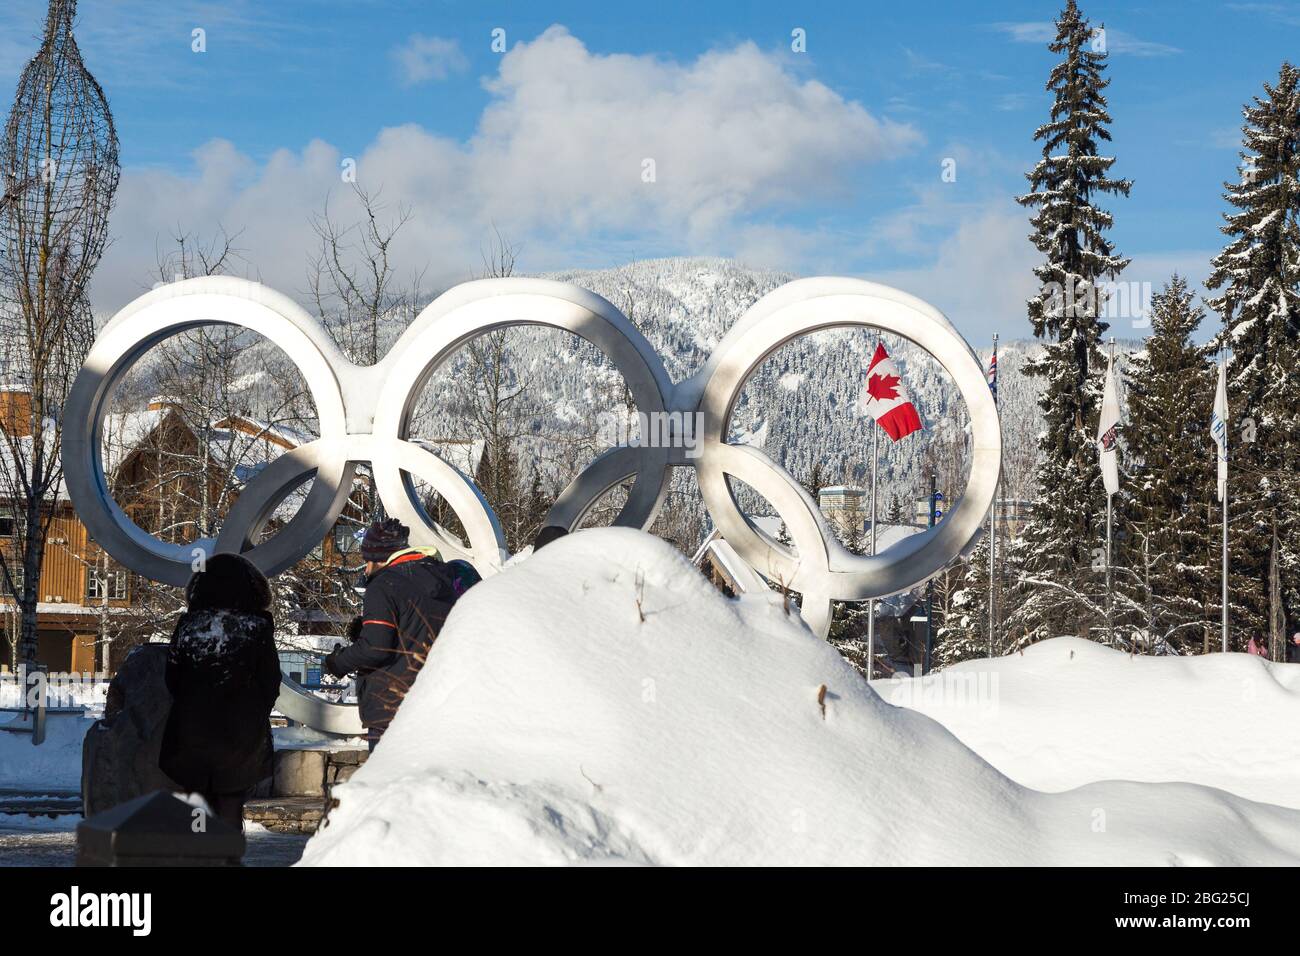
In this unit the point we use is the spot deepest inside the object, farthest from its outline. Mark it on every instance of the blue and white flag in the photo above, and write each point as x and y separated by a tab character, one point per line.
1219	427
1108	433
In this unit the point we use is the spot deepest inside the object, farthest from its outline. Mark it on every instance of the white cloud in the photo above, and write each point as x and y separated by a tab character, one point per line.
1276	12
979	275
1122	43
1012	102
1118	42
555	163
1147	274
117	37
1035	31
422	58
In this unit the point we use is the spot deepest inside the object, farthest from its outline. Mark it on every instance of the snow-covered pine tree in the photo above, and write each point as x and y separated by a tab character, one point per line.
1257	274
1169	570
964	632
849	618
816	481
1055	557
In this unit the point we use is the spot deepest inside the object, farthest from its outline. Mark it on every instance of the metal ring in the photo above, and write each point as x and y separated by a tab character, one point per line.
156	316
365	413
800	308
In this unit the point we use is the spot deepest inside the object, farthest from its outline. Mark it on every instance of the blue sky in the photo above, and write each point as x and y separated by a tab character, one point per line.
825	161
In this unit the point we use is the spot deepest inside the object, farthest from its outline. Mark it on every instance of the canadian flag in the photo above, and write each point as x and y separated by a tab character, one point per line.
886	401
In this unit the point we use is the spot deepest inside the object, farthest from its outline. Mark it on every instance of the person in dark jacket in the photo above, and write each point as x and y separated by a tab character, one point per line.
409	593
223	673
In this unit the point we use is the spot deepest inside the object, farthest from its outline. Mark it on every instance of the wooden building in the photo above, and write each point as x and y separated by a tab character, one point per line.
175	481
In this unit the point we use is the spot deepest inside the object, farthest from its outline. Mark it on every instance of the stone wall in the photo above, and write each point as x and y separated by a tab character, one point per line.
296	798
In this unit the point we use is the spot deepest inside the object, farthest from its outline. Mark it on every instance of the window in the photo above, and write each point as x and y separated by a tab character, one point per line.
113	582
16	572
303	668
7	522
345	538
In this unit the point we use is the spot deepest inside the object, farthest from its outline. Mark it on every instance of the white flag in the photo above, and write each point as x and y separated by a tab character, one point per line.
1219	428
1107	433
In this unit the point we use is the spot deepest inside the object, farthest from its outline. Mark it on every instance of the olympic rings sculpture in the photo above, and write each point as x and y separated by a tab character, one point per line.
364	414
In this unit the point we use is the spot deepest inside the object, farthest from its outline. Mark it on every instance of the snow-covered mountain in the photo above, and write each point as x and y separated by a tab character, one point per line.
800	405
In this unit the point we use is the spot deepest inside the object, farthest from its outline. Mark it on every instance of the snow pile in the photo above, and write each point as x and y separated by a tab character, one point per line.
53	766
299	737
600	702
1068	712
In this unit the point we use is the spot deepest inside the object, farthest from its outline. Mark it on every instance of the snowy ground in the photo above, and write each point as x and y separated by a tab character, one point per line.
56	764
45	841
304	738
53	766
1070	712
600	702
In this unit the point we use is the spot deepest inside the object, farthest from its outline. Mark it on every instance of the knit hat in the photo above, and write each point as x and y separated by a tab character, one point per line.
383	538
463	576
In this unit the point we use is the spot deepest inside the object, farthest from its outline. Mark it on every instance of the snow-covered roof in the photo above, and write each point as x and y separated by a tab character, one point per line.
124	432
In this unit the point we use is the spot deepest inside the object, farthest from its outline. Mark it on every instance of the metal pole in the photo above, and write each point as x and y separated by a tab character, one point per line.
929	590
1110	629
871	603
993	597
1110	598
993	542
1225	526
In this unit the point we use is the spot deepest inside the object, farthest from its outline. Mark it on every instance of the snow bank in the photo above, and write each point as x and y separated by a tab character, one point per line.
305	738
600	702
54	765
1068	712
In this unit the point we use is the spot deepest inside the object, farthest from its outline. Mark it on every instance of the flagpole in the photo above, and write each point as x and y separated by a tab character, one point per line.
1225	567
871	603
1225	510
1110	598
993	538
993	545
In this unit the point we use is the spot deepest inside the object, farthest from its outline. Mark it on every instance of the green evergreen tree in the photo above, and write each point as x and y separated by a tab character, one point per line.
1169	575
537	504
963	632
816	481
497	475
1056	555
1256	275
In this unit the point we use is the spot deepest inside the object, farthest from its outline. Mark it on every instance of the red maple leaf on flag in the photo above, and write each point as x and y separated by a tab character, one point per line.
883	387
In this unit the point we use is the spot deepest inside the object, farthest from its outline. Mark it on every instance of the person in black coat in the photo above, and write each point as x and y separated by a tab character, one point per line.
409	593
223	673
